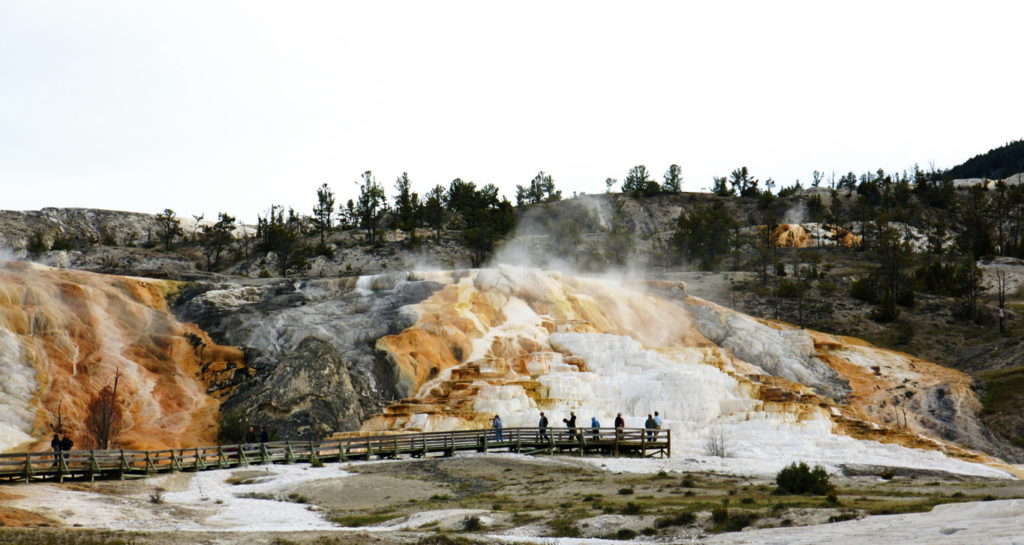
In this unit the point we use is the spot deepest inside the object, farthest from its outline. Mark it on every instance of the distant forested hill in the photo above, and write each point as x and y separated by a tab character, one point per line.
996	164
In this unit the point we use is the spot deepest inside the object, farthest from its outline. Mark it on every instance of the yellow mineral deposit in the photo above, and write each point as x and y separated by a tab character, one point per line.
517	341
64	335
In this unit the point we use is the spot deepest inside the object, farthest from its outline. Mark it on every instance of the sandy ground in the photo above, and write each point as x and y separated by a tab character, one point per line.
501	498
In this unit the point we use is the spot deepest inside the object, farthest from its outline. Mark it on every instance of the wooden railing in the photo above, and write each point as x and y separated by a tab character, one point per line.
92	464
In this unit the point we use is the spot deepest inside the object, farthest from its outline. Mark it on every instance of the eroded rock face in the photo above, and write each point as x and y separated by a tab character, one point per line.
65	335
312	345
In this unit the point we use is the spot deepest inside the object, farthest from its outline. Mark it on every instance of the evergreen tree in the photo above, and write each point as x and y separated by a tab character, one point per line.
323	212
283	236
168	227
371	207
541	189
636	180
673	179
483	215
434	212
720	187
700	235
407	204
215	238
974	222
741	182
618	241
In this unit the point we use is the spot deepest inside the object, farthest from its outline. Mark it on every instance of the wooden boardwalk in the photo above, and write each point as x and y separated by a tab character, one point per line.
121	464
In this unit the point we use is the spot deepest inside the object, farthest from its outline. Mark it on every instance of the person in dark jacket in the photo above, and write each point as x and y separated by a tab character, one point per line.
571	424
650	425
66	444
620	424
55	445
542	427
250	436
264	436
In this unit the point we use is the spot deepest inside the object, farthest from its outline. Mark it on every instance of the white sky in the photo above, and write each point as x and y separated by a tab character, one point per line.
231	106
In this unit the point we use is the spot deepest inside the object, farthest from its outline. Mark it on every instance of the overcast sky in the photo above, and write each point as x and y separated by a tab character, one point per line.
232	106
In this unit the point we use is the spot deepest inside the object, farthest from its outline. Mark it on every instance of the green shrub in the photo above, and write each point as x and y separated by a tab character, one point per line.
863	289
625	491
472	524
737	522
625	534
798	478
720	514
563	527
37	244
632	508
684	518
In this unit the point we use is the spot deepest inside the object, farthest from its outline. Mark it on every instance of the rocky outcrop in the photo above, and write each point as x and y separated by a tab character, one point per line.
311	344
76	224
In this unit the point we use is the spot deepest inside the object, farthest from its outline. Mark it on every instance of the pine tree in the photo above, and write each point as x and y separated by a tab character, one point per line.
323	212
407	204
673	179
434	213
541	189
168	227
215	238
636	180
371	207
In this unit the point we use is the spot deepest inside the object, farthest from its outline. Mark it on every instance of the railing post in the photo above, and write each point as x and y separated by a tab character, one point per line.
369	449
264	455
668	451
124	464
28	467
175	460
62	467
94	466
313	457
643	444
149	463
342	455
222	460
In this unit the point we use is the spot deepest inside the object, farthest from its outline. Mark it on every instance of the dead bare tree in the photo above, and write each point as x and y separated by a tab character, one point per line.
59	428
1001	298
104	417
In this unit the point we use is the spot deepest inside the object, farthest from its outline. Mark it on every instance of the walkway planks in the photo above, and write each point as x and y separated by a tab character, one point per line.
120	464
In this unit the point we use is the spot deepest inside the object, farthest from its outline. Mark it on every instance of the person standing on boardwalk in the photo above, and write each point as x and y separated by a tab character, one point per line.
649	424
542	426
250	436
571	424
657	423
620	424
264	436
496	424
55	445
66	444
595	428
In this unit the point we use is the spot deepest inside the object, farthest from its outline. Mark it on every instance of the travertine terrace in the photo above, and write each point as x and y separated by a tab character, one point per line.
64	335
514	342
